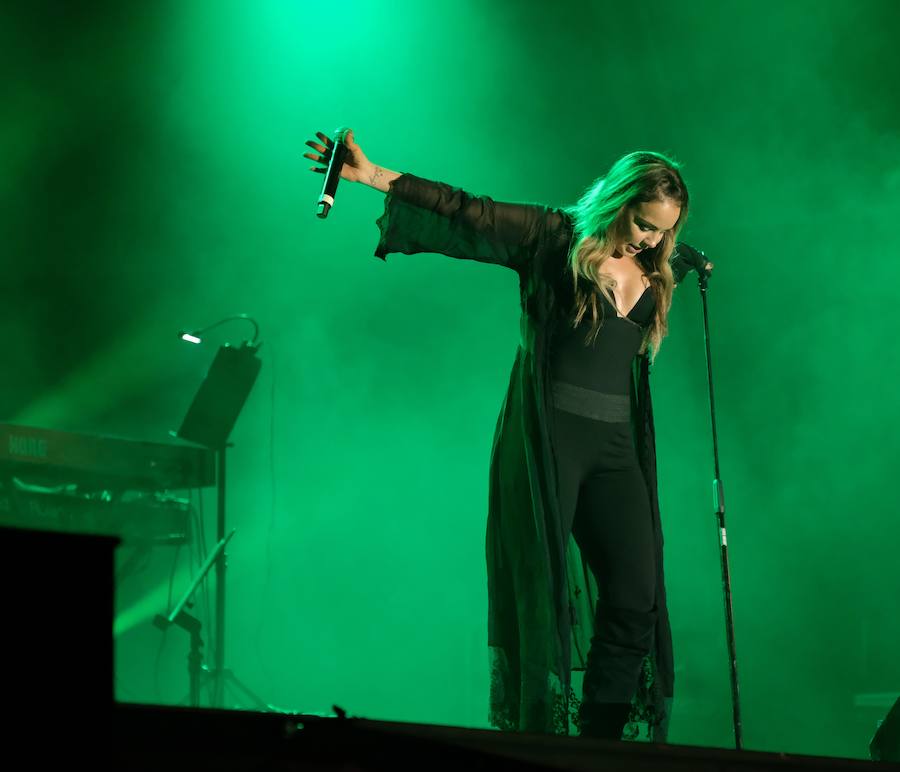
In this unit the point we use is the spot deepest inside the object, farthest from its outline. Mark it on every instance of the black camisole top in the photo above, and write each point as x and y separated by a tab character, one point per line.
605	364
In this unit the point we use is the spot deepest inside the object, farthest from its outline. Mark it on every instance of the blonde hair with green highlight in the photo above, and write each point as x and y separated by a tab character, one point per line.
601	220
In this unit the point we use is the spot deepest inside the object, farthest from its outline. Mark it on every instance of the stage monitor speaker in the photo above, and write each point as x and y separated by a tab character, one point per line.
885	744
56	650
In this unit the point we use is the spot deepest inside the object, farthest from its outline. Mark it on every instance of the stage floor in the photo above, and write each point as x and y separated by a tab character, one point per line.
152	737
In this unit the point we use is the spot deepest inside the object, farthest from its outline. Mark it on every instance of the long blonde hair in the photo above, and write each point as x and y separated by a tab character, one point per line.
601	220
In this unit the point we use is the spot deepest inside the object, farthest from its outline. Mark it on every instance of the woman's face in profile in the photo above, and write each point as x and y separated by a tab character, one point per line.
645	223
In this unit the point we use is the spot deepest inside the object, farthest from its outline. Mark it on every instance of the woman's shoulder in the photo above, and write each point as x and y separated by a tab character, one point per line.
551	260
559	227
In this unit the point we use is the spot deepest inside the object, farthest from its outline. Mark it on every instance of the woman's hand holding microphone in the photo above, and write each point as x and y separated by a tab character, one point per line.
356	167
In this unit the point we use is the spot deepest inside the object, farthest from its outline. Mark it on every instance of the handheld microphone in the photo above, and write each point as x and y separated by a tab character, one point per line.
333	175
685	259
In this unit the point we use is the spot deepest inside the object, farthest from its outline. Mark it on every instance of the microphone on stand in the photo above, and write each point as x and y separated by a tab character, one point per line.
333	174
685	259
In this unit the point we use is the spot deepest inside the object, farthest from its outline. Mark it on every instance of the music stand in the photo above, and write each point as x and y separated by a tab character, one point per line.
208	422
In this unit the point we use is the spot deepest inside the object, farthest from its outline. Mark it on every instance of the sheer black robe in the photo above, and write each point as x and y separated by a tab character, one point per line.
541	596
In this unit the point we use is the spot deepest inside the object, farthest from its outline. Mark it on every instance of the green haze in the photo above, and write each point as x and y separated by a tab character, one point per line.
154	181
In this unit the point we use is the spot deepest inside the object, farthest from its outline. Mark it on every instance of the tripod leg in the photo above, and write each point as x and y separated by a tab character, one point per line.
257	701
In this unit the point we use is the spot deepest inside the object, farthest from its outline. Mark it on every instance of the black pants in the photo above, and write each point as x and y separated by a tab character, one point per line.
604	504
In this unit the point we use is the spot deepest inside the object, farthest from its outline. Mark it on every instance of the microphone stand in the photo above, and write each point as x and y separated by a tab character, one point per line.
191	624
719	494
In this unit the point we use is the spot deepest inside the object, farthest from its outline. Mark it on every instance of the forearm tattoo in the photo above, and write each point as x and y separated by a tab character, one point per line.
377	173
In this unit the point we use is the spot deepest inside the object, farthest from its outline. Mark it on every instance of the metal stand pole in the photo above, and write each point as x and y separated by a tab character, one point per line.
220	675
218	694
719	494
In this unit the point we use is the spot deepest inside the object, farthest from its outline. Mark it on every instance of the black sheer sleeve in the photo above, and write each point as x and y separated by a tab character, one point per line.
425	216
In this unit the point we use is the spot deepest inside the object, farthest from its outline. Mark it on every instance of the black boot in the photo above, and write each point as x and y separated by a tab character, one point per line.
603	720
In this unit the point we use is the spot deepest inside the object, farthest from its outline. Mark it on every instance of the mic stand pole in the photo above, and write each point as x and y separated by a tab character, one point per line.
719	494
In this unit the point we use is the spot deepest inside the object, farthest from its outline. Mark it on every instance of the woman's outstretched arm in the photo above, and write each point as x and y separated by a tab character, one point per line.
426	216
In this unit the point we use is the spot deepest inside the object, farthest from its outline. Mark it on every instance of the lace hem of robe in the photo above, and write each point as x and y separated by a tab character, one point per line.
559	705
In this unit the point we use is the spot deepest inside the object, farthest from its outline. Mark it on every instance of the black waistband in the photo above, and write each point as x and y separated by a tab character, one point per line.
612	408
